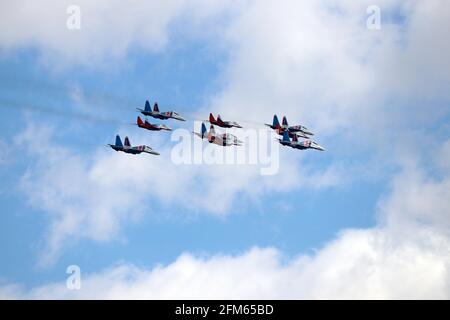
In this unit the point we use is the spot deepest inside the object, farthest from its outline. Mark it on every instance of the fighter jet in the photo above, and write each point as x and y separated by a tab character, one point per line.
224	124
150	126
224	139
302	145
127	148
155	113
298	130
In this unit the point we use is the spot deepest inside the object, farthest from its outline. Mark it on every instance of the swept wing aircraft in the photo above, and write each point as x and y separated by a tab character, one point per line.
281	129
155	113
150	126
127	148
296	128
224	124
223	139
302	145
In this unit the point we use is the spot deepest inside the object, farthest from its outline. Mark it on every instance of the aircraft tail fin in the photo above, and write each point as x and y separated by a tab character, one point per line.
294	138
127	142
155	107
219	117
276	123
285	122
118	141
139	121
286	136
211	118
211	134
203	130
147	106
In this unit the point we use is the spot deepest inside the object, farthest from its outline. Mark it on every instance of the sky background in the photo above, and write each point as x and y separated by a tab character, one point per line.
367	218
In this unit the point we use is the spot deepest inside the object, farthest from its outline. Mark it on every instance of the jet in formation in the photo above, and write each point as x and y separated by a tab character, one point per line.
298	130
155	113
221	139
224	124
150	126
127	148
302	145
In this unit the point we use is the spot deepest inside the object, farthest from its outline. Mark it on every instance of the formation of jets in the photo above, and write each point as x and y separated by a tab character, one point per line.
290	134
294	132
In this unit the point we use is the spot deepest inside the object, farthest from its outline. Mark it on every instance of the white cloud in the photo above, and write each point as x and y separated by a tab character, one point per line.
92	195
401	259
109	29
420	198
276	63
313	61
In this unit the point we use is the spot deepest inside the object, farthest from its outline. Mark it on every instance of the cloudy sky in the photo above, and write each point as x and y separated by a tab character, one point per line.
367	218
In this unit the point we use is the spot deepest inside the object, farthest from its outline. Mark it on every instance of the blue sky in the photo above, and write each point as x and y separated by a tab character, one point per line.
369	111
180	78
